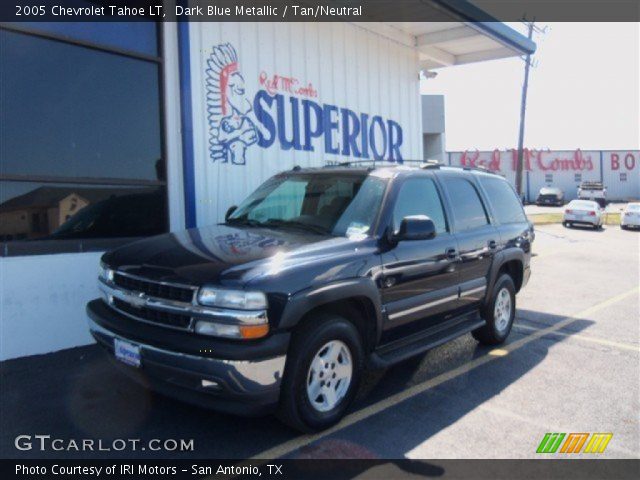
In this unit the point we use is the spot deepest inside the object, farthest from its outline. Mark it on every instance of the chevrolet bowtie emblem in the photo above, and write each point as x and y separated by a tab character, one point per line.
137	300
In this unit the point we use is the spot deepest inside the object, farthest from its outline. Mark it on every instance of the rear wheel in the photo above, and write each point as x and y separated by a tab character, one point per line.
499	313
323	371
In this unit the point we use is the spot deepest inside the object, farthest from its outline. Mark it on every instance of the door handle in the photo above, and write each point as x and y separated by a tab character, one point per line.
492	244
451	253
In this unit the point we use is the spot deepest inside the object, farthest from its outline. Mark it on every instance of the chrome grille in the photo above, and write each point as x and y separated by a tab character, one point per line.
160	317
154	289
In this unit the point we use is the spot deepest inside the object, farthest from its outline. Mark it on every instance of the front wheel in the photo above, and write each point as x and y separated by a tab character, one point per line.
323	371
499	313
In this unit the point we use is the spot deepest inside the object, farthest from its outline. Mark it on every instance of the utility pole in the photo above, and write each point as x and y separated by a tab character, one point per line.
523	108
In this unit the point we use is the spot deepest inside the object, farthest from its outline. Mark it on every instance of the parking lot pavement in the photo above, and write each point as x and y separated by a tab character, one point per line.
572	364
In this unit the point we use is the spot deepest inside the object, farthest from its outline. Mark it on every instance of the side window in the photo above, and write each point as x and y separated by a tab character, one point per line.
419	196
467	206
504	200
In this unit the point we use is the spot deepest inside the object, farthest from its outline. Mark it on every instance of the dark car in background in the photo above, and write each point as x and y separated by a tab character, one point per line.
550	196
316	276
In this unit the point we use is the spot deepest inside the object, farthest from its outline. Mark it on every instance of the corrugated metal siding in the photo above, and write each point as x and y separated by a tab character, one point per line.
622	174
348	66
566	180
564	169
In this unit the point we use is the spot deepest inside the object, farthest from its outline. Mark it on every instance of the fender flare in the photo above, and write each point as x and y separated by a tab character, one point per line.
500	259
306	300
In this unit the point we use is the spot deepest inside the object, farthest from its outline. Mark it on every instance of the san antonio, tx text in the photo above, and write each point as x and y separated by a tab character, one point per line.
140	469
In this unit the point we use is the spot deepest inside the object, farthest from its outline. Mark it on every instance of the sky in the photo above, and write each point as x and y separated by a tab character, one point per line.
584	92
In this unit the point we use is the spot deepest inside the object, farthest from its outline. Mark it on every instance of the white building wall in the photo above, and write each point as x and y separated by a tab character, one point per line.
42	300
346	65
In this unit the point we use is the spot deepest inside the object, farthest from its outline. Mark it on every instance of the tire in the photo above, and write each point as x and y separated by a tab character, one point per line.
566	224
498	321
623	227
296	407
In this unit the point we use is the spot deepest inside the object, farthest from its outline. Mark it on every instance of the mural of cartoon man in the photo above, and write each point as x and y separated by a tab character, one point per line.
229	113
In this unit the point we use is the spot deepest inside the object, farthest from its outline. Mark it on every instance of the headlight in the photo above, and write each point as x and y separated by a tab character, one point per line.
106	273
236	299
245	326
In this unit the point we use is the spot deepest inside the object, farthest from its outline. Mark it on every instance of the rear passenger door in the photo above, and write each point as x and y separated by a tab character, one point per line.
478	240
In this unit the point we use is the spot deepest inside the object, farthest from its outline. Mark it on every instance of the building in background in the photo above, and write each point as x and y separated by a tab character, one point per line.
112	132
618	170
433	139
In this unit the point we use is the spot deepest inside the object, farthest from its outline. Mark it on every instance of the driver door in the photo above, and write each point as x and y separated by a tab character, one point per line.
419	277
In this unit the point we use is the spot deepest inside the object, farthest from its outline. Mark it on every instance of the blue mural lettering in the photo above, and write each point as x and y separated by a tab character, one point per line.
298	124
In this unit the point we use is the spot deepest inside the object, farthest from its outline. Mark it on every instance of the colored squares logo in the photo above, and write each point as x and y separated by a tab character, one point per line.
574	443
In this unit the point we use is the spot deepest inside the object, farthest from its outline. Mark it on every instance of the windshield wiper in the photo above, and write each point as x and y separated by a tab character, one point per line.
243	221
272	222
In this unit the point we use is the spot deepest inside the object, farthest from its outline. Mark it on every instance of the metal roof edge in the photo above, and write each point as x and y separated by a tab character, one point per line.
488	24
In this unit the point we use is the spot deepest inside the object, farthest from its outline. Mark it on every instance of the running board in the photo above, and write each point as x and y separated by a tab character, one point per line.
400	350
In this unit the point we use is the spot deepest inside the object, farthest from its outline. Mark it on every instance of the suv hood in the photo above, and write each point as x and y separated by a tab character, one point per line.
219	254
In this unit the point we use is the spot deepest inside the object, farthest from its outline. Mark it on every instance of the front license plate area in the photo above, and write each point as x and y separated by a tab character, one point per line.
127	352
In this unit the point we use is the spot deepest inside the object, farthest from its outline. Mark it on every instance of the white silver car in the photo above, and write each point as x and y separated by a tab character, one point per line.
630	218
583	212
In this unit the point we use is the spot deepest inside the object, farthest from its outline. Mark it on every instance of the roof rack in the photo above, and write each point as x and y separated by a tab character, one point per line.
428	164
386	163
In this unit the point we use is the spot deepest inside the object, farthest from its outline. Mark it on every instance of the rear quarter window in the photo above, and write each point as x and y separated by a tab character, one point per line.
468	210
504	200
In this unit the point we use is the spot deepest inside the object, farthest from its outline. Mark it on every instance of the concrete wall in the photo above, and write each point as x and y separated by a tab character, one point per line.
433	126
434	147
42	300
432	113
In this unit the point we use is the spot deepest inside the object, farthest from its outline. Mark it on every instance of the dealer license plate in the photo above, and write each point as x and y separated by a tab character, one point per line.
127	352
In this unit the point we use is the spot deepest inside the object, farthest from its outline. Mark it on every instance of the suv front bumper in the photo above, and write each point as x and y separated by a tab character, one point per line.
248	387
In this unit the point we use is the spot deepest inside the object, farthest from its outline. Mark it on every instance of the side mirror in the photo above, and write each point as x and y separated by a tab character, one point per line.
416	227
231	209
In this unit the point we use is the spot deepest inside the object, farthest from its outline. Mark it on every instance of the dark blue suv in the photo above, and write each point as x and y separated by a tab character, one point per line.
316	276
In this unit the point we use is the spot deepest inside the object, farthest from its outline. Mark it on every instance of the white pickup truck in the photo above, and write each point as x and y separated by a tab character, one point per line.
595	191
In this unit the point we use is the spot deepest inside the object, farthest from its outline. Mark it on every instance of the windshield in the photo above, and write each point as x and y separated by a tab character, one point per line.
633	207
344	204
